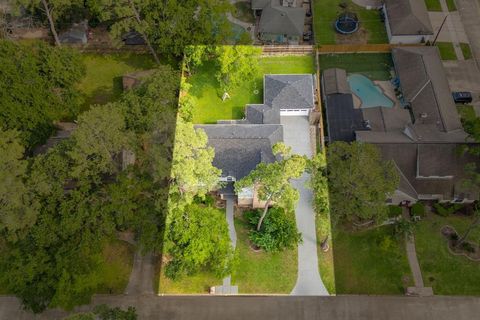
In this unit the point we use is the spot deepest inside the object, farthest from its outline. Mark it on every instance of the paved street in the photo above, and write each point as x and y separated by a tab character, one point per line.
278	308
296	134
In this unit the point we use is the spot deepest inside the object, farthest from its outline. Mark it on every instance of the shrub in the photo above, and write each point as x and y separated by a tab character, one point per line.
394	211
454	237
278	231
418	209
446	209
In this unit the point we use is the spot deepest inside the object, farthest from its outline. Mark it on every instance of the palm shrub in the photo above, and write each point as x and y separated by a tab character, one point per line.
278	231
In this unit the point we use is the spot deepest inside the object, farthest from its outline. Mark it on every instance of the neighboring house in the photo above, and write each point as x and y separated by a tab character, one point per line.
133	38
407	21
240	145
422	135
281	21
64	131
77	34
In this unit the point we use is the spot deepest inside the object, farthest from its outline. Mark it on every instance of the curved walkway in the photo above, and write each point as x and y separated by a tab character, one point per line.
296	134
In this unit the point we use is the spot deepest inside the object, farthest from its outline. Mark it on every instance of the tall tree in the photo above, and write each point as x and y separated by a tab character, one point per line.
52	9
18	209
192	171
166	26
197	238
100	136
128	15
235	64
37	87
360	182
272	180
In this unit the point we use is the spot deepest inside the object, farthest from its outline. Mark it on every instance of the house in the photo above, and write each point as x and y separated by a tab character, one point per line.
77	34
281	21
64	131
407	21
240	145
422	134
133	38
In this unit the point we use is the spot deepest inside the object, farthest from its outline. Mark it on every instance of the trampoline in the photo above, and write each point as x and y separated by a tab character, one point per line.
347	23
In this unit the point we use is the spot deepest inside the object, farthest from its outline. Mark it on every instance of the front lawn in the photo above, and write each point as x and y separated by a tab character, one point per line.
103	80
433	5
446	273
207	95
116	268
447	52
326	12
262	272
376	66
370	262
255	272
451	5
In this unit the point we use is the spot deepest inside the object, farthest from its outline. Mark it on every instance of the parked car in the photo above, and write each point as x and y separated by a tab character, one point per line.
462	97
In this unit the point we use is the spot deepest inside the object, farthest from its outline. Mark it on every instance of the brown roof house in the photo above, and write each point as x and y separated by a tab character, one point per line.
422	134
407	21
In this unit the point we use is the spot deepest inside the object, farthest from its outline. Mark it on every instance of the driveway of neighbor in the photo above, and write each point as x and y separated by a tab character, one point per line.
296	134
470	15
142	276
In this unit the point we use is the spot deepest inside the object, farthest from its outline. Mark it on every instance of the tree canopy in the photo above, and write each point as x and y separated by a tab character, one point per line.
37	87
272	180
360	182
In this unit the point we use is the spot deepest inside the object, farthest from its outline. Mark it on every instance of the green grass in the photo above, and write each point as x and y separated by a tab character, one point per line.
376	66
325	259
451	5
466	111
467	52
118	263
447	52
364	265
207	94
433	5
103	80
194	284
326	12
446	273
262	272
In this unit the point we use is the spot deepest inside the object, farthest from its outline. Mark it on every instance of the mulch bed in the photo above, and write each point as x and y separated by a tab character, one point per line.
468	249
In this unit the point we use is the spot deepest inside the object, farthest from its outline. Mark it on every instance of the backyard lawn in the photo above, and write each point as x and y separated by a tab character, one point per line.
261	272
207	94
370	262
376	66
103	80
118	263
446	273
447	52
326	12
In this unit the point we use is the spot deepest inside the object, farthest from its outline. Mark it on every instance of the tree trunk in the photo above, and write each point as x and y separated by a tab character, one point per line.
475	223
149	45
52	25
265	210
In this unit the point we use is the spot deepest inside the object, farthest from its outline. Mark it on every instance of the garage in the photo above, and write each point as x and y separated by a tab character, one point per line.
294	112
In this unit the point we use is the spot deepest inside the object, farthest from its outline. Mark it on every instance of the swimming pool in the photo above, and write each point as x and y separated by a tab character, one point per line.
370	94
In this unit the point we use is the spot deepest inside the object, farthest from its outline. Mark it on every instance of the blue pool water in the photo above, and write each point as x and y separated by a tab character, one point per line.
370	94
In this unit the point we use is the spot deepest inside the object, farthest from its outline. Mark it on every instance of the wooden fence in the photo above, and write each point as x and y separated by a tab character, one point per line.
279	50
351	48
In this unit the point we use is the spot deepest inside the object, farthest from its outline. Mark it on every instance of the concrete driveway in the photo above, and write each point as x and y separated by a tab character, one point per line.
464	76
296	134
470	15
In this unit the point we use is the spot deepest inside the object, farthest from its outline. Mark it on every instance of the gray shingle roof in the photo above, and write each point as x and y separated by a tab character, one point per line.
260	4
289	91
240	148
408	17
425	87
335	81
277	19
